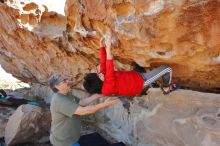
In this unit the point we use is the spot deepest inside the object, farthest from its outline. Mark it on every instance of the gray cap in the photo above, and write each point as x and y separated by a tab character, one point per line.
53	80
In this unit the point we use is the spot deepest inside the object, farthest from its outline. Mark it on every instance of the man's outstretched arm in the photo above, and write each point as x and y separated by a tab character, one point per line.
87	101
92	109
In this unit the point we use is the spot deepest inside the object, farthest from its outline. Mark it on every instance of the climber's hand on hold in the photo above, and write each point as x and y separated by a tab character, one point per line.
102	43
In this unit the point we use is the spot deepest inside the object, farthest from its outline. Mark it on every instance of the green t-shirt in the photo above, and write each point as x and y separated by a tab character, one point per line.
65	126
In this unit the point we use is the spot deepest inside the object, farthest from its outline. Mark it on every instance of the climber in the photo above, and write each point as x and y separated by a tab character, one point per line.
124	83
67	109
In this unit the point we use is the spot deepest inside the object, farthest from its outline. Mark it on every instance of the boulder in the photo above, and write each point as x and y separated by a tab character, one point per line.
28	124
5	113
181	118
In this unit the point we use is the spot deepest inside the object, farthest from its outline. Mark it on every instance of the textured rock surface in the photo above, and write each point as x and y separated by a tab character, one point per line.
34	43
27	124
5	113
182	118
30	57
183	34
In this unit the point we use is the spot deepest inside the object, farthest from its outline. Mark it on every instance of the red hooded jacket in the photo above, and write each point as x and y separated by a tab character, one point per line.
122	83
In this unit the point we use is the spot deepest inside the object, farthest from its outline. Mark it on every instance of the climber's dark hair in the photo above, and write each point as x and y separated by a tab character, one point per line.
92	83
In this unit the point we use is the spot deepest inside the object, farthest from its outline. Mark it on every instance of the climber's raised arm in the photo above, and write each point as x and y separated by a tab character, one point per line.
102	57
108	47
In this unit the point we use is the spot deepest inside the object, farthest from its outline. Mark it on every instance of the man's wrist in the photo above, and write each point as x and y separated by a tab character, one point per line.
101	105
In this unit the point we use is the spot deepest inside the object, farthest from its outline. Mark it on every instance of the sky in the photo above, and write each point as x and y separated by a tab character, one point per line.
6	76
53	5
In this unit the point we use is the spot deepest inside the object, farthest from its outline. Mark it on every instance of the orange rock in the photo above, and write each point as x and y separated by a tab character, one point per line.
24	18
183	34
30	6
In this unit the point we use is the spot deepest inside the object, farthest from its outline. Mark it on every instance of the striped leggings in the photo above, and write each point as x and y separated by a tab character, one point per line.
163	73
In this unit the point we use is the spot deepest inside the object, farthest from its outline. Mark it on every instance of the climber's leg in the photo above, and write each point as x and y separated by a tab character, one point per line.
163	73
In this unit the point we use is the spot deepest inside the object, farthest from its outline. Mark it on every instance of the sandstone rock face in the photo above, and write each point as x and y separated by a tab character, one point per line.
30	57
184	34
27	124
39	20
182	118
30	6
